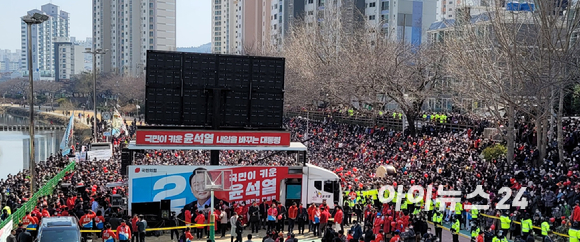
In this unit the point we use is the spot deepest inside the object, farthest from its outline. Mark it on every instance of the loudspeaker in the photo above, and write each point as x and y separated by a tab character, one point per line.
165	209
116	200
126	160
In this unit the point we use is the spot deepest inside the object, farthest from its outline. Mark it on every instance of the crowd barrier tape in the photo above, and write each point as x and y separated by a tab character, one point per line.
45	190
533	226
372	193
149	229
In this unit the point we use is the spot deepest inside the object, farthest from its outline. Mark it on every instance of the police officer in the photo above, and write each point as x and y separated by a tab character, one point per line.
500	237
574	232
505	222
455	229
526	226
474	231
437	219
546	227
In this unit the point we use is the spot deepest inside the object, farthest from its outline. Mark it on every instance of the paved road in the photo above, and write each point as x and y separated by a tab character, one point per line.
258	237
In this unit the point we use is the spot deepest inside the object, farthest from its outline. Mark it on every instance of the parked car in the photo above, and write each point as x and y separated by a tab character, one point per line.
59	229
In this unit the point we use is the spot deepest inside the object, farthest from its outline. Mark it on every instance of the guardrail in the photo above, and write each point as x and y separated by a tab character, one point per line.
47	189
386	120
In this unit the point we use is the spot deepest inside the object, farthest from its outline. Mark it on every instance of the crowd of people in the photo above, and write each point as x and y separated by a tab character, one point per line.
436	156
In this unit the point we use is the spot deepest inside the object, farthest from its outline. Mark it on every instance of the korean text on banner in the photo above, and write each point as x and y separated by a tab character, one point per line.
156	183
212	138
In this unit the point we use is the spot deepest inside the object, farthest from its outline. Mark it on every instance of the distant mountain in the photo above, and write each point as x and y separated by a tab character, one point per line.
206	48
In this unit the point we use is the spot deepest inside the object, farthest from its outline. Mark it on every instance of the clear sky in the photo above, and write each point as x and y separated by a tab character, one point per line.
193	20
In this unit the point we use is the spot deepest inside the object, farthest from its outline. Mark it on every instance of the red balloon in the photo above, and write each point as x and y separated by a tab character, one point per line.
348	173
493	227
360	185
426	175
394	184
354	169
569	173
356	179
405	172
478	175
412	181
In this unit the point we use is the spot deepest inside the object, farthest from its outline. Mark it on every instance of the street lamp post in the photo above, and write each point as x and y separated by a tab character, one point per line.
37	18
95	53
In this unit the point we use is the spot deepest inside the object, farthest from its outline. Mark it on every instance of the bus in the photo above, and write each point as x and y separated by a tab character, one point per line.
183	188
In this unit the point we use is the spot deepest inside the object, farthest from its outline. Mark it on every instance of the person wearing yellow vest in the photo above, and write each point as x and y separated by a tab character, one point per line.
546	227
458	210
394	115
474	231
474	213
500	237
455	230
526	226
437	220
350	112
574	232
505	222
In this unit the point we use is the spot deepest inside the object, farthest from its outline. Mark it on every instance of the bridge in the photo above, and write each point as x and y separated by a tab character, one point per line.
4	127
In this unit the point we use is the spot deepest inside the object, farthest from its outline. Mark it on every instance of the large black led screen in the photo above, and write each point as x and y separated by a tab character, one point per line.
180	90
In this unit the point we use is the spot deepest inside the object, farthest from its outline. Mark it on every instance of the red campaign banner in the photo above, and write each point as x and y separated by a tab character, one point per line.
254	184
212	138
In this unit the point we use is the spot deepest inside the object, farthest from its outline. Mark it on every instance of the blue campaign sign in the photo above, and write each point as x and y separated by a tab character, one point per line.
174	187
107	133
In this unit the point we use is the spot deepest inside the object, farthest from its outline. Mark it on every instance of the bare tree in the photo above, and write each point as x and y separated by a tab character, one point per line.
354	66
514	61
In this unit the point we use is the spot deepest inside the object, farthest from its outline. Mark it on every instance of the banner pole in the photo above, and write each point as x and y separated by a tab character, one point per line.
212	218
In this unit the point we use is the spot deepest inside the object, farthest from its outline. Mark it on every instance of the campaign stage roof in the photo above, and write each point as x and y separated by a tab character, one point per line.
294	146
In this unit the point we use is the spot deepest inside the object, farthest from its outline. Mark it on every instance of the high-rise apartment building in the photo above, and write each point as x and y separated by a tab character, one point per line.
226	26
406	20
128	28
43	36
69	58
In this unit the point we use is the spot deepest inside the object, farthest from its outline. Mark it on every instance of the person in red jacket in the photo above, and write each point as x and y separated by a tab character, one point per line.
396	238
200	219
480	237
108	234
377	224
123	232
324	216
188	217
311	211
134	221
379	236
272	216
576	213
292	214
187	234
338	217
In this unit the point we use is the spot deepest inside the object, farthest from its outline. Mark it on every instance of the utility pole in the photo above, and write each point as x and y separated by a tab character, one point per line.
95	53
37	18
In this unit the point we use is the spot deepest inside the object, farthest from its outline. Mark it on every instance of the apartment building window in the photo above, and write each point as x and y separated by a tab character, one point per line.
371	17
218	12
310	1
151	41
320	2
150	19
218	2
275	16
372	5
385	6
150	34
310	13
